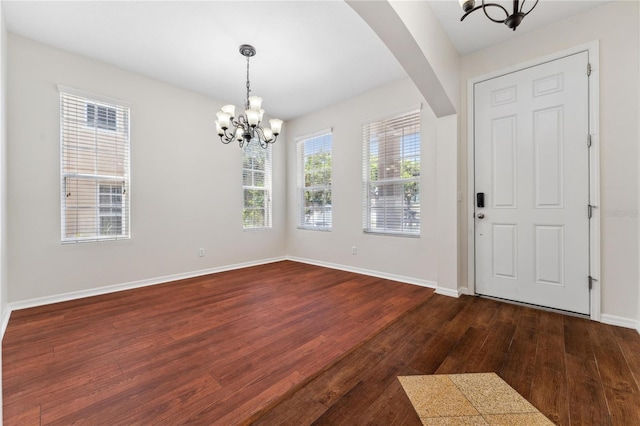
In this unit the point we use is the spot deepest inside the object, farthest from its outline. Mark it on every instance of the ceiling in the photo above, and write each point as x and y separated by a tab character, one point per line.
310	54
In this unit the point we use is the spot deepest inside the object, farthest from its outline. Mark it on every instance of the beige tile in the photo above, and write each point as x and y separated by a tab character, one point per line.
436	396
489	394
521	419
454	421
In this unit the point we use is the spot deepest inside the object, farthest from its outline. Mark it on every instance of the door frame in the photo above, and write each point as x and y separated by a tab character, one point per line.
594	165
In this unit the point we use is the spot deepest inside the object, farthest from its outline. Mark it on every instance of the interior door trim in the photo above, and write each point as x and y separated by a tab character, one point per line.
594	165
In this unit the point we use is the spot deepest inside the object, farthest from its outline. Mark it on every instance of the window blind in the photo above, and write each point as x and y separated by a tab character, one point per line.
391	175
94	169
314	181
256	184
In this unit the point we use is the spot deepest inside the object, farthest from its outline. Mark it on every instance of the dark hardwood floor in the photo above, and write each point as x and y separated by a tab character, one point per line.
289	343
210	350
575	371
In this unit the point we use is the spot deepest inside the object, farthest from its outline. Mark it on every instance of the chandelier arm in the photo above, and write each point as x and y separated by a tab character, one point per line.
238	122
532	7
242	121
482	6
484	9
227	137
260	135
264	142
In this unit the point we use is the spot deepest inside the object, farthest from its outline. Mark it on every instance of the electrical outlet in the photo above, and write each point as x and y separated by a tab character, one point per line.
201	252
354	250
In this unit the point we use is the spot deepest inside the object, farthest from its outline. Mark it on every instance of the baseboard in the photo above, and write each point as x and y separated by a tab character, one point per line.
6	314
620	321
447	292
64	297
377	274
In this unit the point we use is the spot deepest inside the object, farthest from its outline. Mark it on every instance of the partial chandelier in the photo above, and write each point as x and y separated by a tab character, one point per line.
510	20
247	128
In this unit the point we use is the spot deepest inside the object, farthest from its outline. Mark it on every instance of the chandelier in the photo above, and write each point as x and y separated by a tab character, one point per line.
511	20
246	128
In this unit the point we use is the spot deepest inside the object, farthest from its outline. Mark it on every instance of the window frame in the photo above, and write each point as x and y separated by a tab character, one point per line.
408	224
323	139
88	180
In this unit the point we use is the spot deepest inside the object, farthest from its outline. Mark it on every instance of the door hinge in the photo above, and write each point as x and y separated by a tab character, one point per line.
588	69
590	211
589	140
591	280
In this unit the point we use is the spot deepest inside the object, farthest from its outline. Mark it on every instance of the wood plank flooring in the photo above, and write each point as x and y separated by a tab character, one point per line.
575	371
295	344
212	350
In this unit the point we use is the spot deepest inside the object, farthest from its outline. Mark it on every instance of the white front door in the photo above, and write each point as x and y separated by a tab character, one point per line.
532	165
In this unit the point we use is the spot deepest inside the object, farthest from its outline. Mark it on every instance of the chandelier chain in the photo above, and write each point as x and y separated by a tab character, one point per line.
248	84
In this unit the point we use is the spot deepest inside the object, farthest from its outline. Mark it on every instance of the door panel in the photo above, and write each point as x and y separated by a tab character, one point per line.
505	251
504	163
548	152
531	161
549	260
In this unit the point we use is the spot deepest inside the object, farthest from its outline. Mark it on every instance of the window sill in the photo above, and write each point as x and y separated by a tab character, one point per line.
391	234
311	228
265	228
95	239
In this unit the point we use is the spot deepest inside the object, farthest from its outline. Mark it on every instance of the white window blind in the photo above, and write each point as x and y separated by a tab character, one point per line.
256	184
314	181
94	169
391	175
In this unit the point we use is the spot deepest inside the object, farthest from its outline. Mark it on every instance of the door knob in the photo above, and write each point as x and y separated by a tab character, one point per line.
480	215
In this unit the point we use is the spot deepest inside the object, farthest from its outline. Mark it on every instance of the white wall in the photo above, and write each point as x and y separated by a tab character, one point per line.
615	25
4	311
186	189
447	205
415	259
3	170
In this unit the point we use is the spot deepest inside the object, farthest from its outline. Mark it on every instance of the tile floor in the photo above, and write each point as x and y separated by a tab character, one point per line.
469	399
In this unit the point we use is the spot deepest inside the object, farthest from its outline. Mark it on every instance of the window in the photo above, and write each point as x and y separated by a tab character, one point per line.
391	175
94	169
101	116
314	181
256	184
